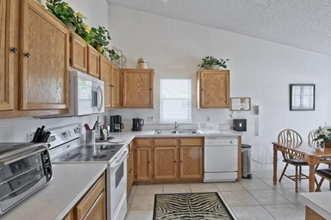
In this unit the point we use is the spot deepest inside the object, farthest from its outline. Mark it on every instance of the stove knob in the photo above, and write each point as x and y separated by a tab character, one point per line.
231	142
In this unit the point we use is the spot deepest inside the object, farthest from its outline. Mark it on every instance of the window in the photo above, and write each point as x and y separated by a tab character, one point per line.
175	100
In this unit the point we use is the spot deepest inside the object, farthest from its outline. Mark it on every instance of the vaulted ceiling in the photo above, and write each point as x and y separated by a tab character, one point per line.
303	24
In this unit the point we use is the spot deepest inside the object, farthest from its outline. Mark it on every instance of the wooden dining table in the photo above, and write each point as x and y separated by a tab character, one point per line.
311	153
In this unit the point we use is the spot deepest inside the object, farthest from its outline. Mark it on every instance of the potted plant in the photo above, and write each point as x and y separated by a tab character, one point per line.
210	62
323	136
97	37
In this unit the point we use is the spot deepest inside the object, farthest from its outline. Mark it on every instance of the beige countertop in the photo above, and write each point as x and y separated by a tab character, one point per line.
128	136
320	202
70	182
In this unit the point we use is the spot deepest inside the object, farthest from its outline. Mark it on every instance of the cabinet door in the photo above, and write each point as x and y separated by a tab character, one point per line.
93	63
105	75
78	52
214	88
8	52
115	74
137	88
98	209
165	162
93	204
191	161
43	58
130	172
143	167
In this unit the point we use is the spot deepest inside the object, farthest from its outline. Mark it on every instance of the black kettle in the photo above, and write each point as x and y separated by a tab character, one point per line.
137	124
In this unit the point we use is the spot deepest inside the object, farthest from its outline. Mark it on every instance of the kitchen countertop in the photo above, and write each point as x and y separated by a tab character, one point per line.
128	136
70	182
320	202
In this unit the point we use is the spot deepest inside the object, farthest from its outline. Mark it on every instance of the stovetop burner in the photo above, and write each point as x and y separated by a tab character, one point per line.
95	152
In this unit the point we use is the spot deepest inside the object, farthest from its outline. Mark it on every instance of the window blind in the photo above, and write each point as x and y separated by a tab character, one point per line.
175	100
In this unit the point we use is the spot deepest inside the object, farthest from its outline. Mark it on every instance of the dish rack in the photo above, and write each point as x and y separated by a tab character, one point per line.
206	127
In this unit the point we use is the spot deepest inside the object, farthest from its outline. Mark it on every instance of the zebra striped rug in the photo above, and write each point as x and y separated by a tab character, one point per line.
190	206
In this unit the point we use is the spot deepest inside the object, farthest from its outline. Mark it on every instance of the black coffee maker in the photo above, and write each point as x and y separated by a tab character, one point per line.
137	124
116	124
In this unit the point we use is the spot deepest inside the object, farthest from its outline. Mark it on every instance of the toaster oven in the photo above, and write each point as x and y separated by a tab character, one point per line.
24	169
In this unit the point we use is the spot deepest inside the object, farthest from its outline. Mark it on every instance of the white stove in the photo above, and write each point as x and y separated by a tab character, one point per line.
66	147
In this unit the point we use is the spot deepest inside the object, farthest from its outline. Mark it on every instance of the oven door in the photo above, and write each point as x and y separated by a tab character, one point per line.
98	105
118	182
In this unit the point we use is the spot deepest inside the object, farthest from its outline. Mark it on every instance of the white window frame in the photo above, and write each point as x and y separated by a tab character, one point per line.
189	98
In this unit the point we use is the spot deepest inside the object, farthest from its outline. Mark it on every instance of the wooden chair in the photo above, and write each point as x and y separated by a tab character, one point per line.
324	174
311	136
289	135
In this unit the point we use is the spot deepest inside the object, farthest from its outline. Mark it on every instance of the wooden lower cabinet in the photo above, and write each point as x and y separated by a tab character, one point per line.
92	205
142	166
174	159
191	162
130	169
165	162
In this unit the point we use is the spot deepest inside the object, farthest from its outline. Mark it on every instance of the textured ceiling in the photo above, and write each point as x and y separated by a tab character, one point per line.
303	24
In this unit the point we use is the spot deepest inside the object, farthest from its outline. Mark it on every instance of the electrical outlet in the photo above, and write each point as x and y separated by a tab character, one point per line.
208	118
150	118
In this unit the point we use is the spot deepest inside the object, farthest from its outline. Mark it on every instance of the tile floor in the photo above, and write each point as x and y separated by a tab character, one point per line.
248	199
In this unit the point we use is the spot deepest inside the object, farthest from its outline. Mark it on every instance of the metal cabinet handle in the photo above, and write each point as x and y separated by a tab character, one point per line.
14	50
111	85
28	55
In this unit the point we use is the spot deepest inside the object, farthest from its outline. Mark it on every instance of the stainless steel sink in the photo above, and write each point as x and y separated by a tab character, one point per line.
182	131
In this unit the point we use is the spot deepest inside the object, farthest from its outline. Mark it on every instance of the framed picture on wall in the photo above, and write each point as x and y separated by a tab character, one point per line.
302	97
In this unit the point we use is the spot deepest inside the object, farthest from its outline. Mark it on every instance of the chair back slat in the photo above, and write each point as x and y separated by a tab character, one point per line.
311	135
289	135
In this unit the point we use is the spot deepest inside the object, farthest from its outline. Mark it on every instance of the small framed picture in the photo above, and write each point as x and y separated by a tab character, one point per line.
302	97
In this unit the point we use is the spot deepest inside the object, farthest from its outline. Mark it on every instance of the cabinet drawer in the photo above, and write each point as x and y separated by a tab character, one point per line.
165	142
191	142
83	207
143	142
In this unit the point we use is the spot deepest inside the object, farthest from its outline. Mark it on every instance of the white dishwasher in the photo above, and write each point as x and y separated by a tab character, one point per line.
221	159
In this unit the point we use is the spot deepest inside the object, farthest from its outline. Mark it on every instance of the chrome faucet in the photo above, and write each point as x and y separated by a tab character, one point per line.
177	125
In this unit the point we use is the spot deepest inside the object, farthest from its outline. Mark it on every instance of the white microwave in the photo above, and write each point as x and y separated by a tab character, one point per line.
86	94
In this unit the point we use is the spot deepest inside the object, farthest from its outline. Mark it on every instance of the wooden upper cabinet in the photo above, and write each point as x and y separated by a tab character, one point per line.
137	88
43	59
105	75
93	64
115	86
213	88
78	52
8	52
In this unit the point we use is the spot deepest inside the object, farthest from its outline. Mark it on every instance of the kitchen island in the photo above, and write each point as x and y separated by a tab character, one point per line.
69	184
318	205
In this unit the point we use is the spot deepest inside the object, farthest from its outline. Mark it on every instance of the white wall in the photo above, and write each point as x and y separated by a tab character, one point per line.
259	69
16	130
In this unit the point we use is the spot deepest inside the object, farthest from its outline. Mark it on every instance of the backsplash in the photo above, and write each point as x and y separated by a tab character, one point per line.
16	129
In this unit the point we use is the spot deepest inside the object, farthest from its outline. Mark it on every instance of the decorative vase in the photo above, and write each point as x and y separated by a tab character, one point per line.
212	67
70	26
327	144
